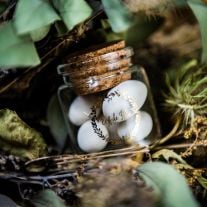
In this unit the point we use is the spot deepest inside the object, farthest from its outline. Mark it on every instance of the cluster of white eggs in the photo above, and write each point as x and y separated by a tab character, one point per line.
121	108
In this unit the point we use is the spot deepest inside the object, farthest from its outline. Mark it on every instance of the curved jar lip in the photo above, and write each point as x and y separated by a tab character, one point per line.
102	59
94	80
96	50
99	69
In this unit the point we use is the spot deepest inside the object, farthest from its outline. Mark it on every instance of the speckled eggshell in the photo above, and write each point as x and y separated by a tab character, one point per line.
88	138
81	108
124	100
136	128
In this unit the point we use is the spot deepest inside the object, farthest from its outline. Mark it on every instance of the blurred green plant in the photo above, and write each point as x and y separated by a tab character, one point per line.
199	8
32	21
120	18
164	180
33	17
186	101
47	198
16	50
187	93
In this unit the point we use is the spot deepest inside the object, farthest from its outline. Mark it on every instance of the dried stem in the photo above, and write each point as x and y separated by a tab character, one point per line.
68	159
3	16
169	135
178	146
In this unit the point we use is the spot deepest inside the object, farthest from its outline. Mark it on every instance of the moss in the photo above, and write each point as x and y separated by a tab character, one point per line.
17	138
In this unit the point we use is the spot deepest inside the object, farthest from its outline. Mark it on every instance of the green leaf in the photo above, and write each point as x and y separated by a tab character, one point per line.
133	36
167	155
198	1
202	181
39	33
173	189
119	16
200	11
33	15
47	198
16	51
56	122
72	12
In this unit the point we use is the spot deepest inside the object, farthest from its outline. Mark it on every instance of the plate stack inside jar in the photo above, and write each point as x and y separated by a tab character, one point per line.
107	106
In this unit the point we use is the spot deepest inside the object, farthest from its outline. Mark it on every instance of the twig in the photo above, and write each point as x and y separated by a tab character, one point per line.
103	156
177	146
68	159
3	16
168	136
68	156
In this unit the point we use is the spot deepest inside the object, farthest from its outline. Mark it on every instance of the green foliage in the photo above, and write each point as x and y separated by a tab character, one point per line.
47	198
17	138
16	51
31	22
120	18
196	1
133	36
72	12
187	93
40	33
56	122
169	186
32	15
168	155
202	181
200	11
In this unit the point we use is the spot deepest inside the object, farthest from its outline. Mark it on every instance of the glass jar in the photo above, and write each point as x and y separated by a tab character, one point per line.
107	105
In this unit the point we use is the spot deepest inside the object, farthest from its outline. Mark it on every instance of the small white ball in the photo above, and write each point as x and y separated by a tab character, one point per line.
124	100
81	109
92	136
137	127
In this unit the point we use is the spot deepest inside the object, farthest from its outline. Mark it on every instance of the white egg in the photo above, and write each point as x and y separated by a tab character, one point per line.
136	128
81	109
124	100
92	136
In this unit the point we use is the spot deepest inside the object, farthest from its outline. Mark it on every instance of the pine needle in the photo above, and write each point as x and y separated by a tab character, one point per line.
187	93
